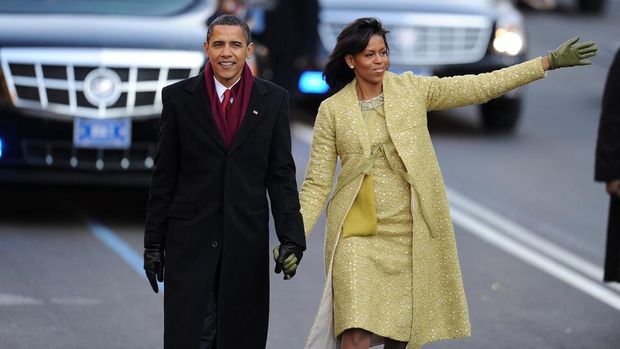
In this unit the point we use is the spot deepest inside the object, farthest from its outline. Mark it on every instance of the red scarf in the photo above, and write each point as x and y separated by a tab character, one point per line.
229	124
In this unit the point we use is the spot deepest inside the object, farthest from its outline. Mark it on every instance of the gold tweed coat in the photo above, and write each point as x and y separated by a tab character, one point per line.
439	305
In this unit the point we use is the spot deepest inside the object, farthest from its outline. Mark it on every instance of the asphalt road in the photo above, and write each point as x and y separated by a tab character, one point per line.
529	220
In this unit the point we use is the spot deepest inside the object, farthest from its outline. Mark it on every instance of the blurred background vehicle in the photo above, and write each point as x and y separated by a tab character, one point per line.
80	84
592	6
586	6
442	38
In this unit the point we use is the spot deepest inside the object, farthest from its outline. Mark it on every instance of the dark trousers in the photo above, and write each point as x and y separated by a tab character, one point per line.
612	253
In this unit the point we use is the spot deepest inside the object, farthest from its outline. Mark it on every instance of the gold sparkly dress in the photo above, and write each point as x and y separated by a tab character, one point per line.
372	275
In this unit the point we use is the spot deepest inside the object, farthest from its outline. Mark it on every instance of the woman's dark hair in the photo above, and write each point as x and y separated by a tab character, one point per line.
352	39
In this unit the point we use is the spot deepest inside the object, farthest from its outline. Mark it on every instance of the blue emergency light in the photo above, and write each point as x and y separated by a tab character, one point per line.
1	144
312	82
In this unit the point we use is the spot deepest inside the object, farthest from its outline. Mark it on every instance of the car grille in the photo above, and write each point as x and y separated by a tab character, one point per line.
94	83
420	39
61	154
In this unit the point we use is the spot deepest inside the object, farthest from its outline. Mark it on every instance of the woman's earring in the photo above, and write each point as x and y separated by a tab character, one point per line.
351	66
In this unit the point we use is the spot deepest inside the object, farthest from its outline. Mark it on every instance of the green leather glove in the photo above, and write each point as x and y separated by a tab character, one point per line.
154	261
570	54
287	257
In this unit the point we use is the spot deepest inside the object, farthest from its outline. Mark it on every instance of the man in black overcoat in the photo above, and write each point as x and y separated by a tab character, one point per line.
608	166
223	145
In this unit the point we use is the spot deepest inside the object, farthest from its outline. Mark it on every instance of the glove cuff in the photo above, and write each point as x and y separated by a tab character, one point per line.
553	59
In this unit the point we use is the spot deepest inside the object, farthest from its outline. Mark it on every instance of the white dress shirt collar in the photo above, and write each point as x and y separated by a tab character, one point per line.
219	88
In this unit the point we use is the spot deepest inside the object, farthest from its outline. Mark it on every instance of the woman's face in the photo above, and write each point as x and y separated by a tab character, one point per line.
370	64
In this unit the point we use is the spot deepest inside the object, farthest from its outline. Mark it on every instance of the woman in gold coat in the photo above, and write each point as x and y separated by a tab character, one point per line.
391	264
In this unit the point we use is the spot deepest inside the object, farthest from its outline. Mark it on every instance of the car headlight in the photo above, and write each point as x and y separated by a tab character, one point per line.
508	42
509	36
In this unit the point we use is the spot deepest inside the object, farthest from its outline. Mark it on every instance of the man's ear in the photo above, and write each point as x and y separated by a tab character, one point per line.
250	49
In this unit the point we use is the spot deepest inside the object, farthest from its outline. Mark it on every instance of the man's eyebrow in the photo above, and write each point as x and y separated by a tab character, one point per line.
223	41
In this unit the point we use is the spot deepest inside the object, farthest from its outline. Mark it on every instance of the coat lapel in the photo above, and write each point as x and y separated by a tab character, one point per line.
393	106
198	105
354	114
253	116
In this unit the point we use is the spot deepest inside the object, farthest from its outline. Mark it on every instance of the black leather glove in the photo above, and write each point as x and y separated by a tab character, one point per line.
154	261
287	257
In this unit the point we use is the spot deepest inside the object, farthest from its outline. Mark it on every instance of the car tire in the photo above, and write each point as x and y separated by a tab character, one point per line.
591	6
501	114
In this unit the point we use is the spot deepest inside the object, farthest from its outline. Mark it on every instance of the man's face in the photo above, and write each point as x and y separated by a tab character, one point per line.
227	51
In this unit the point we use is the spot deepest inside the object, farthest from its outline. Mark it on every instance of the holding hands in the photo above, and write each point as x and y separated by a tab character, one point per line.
571	53
287	257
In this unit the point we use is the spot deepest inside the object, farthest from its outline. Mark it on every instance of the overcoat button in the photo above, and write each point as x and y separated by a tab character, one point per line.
214	244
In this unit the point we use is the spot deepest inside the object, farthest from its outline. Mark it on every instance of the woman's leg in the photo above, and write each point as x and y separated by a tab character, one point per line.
392	344
355	338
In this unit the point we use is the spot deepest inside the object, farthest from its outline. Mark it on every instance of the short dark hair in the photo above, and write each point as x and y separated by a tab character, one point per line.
230	20
353	39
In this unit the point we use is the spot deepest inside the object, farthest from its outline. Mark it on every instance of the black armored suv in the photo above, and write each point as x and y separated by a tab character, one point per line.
81	81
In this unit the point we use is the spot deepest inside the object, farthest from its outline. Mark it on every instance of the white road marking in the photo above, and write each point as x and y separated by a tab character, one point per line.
522	234
75	301
7	299
536	259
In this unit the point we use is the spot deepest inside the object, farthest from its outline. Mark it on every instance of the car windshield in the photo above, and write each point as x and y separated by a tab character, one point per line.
98	7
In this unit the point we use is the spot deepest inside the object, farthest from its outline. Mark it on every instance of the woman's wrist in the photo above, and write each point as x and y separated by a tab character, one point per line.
545	62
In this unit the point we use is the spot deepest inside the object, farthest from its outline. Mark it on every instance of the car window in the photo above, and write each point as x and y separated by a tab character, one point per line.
98	7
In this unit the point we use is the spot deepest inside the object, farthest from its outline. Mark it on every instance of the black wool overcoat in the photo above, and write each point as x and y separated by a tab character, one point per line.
608	164
208	206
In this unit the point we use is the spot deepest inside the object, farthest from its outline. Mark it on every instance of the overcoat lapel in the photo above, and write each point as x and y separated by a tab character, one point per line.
198	105
253	116
354	113
395	118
